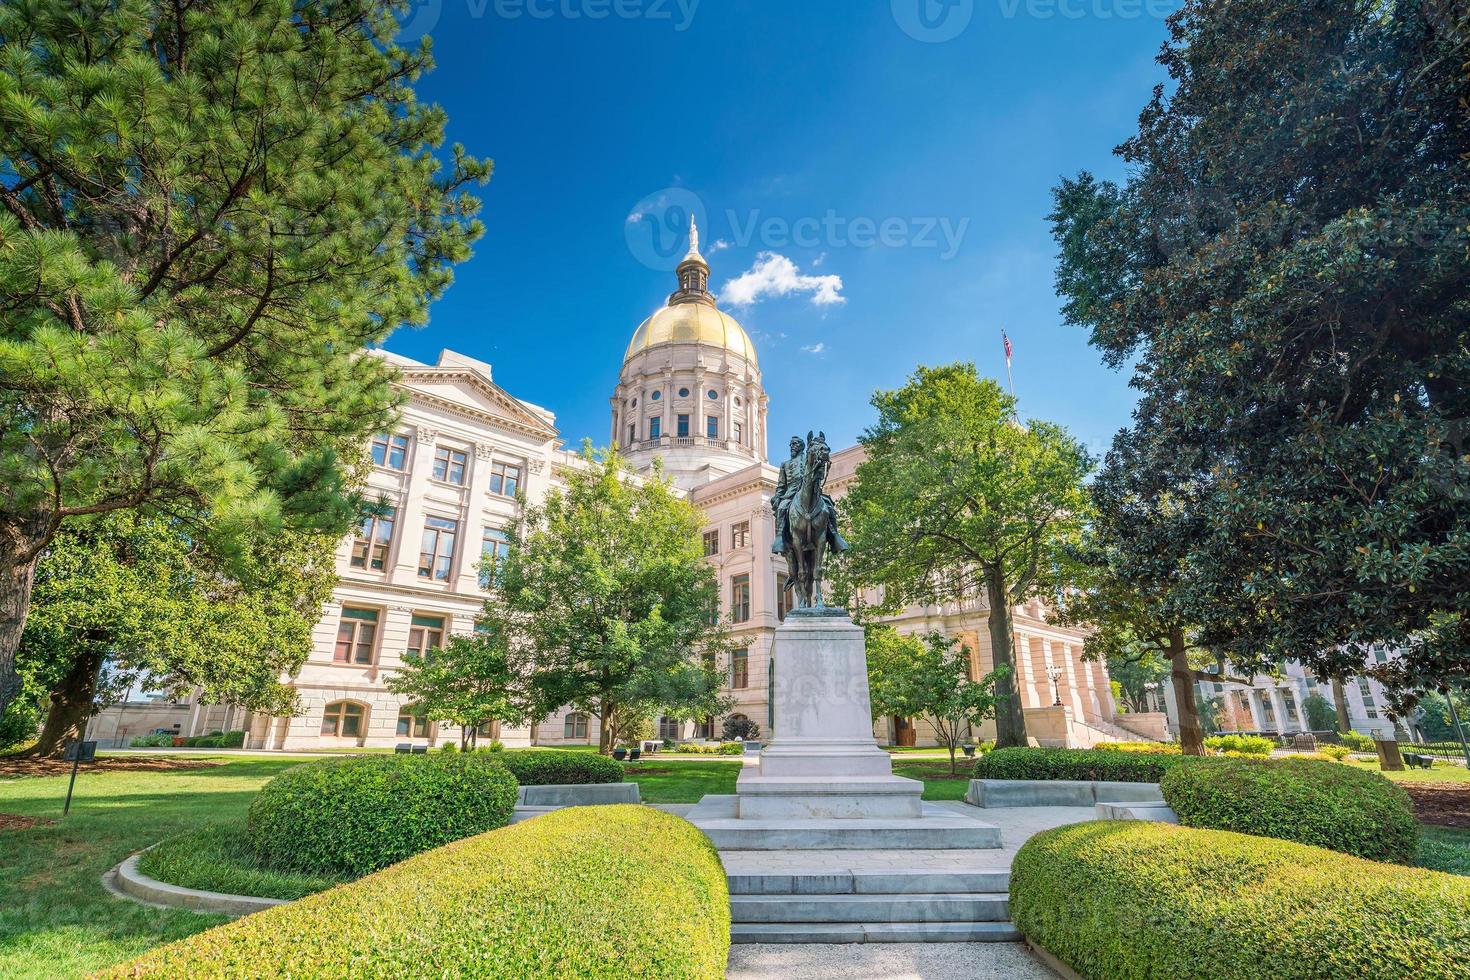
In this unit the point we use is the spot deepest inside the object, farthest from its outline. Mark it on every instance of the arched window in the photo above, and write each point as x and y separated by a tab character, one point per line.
412	723
344	719
575	726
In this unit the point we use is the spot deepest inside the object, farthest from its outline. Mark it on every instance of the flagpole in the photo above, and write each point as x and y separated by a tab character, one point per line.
1010	381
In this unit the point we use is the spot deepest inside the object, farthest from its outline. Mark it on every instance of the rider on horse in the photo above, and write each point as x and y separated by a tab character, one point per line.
788	485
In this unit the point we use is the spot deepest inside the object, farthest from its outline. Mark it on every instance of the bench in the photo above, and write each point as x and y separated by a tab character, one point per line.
1416	761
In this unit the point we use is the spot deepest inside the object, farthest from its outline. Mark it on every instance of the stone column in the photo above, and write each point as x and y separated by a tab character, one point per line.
1258	714
411	508
1278	708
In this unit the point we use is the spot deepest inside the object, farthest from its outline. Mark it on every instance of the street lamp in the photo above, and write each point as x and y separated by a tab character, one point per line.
1152	688
1055	673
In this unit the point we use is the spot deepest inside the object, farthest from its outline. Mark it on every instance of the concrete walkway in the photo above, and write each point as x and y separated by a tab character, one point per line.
890	961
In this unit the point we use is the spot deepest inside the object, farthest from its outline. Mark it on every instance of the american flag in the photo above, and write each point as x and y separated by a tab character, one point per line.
1007	341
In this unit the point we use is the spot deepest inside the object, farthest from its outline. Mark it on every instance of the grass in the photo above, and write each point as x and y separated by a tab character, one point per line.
1443	772
938	783
56	920
1444	849
216	857
683	782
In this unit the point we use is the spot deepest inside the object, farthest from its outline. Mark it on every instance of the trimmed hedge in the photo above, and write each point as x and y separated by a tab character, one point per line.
1242	744
1322	803
1124	899
548	767
1096	763
361	813
718	748
616	891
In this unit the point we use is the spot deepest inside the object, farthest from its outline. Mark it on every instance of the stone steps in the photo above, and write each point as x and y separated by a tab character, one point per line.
874	932
903	907
937	828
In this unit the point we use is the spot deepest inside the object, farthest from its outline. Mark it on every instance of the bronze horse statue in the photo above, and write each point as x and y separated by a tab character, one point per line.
812	523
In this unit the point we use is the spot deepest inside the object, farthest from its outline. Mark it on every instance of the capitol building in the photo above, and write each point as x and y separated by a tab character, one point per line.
689	393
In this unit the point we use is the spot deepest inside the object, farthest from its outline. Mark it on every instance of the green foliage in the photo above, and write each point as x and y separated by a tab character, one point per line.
929	676
1321	803
210	211
604	599
219	858
1083	764
1115	899
957	498
548	767
615	892
722	748
467	682
152	741
1243	744
1334	752
1285	271
1434	718
19	723
1321	715
1166	748
740	729
1358	742
361	813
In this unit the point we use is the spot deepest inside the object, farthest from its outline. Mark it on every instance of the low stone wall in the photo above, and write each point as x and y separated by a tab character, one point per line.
1152	725
1058	792
577	794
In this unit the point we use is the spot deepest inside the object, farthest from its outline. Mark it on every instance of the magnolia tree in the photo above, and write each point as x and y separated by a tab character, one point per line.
468	682
604	600
958	499
208	209
929	676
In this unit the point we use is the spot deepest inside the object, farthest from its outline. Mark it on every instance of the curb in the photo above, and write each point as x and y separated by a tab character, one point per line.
126	881
1046	956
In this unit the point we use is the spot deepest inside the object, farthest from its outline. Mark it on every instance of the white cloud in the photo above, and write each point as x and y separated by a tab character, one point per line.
776	275
816	348
719	245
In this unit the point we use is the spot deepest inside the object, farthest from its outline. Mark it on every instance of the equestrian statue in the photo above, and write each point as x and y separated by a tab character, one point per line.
806	518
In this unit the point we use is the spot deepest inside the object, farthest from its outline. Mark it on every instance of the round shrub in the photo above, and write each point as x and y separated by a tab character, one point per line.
1322	803
361	813
547	767
609	891
1116	899
1358	742
1090	764
1240	744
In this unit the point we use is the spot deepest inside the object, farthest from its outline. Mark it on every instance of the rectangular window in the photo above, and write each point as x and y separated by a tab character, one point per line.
632	433
683	430
738	431
370	547
655	426
711	542
357	634
505	479
783	604
670	728
411	725
449	465
425	633
712	427
390	450
740	669
1369	708
705	727
740	599
494	545
740	535
436	554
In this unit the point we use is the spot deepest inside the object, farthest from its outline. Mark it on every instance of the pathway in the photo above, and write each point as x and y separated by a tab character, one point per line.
891	961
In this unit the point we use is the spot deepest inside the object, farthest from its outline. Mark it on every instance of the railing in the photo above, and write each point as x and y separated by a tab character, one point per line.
1452	751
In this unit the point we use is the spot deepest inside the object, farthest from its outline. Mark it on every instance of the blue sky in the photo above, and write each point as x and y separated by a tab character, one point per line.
846	139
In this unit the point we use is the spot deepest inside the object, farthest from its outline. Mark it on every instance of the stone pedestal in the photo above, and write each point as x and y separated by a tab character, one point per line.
823	762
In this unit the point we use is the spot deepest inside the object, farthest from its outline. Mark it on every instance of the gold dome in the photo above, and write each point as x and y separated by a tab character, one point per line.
685	322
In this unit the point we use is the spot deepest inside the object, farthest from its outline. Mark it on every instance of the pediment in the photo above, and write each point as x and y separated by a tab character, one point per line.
467	391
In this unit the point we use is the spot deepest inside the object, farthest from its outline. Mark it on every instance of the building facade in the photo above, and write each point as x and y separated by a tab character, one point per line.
688	394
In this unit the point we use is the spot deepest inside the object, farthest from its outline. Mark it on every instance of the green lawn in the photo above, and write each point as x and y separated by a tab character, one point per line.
55	918
682	780
1443	772
1444	849
938	783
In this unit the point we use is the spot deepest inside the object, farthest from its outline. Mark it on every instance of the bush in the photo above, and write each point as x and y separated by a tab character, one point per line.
547	767
19	724
151	741
613	892
233	740
1358	742
1334	752
1097	763
1240	744
1322	803
1115	899
361	813
1166	748
698	748
739	730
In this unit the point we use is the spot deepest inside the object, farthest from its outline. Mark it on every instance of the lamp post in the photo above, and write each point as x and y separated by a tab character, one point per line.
1152	688
1055	673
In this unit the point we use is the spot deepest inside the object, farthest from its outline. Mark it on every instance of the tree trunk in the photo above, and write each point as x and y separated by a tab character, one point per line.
16	579
1010	715
604	728
1191	732
1339	697
71	705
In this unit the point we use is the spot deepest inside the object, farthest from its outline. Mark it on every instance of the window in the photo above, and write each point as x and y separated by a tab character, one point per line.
740	669
343	719
390	450
632	433
712	542
370	547
436	554
488	729
740	535
425	633
505	478
1369	708
683	429
712	427
713	394
683	392
449	465
655	396
738	430
655	427
670	728
494	546
357	634
740	598
783	605
575	726
412	724
705	727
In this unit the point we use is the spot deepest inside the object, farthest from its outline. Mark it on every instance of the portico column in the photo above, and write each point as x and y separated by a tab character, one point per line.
1278	708
1258	714
1299	696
